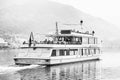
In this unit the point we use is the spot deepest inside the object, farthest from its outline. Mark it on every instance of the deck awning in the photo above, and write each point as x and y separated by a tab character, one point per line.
73	34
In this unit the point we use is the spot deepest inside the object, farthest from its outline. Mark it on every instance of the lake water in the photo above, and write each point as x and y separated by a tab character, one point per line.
108	68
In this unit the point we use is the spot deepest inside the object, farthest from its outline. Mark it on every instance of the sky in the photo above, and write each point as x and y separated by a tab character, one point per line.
106	9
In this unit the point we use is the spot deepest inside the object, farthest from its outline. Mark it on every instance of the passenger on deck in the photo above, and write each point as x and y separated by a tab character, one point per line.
24	42
45	41
93	32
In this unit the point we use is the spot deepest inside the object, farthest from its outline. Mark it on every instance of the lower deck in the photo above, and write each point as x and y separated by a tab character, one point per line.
57	56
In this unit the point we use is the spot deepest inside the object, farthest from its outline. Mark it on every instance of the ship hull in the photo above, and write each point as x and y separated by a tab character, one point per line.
53	61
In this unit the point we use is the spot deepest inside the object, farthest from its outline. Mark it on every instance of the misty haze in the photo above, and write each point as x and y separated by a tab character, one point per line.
26	21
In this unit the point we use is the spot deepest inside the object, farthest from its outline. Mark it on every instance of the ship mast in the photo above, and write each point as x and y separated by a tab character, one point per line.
57	28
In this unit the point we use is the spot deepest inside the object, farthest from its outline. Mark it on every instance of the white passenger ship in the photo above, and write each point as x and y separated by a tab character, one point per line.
67	46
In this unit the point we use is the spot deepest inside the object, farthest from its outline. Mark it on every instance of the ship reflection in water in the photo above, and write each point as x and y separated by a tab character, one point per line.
76	71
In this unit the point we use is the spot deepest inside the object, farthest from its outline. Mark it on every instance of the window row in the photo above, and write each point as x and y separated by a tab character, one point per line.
90	40
82	52
64	52
77	40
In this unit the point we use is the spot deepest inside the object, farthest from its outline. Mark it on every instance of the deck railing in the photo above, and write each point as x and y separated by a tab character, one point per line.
55	42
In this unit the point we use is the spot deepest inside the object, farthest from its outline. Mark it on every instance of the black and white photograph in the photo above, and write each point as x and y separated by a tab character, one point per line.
59	40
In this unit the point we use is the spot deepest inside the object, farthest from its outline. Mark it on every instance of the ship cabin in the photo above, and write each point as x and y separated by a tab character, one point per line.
77	44
68	42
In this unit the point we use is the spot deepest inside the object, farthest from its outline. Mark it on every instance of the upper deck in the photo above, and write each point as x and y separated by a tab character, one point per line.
65	38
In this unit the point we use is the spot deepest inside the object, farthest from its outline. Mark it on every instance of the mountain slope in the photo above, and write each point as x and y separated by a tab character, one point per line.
40	16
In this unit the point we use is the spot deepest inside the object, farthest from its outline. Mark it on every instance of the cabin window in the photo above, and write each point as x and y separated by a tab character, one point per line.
98	51
53	53
75	52
91	40
92	51
67	52
72	52
85	52
62	52
65	31
82	52
74	39
80	40
96	41
85	40
89	52
77	39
